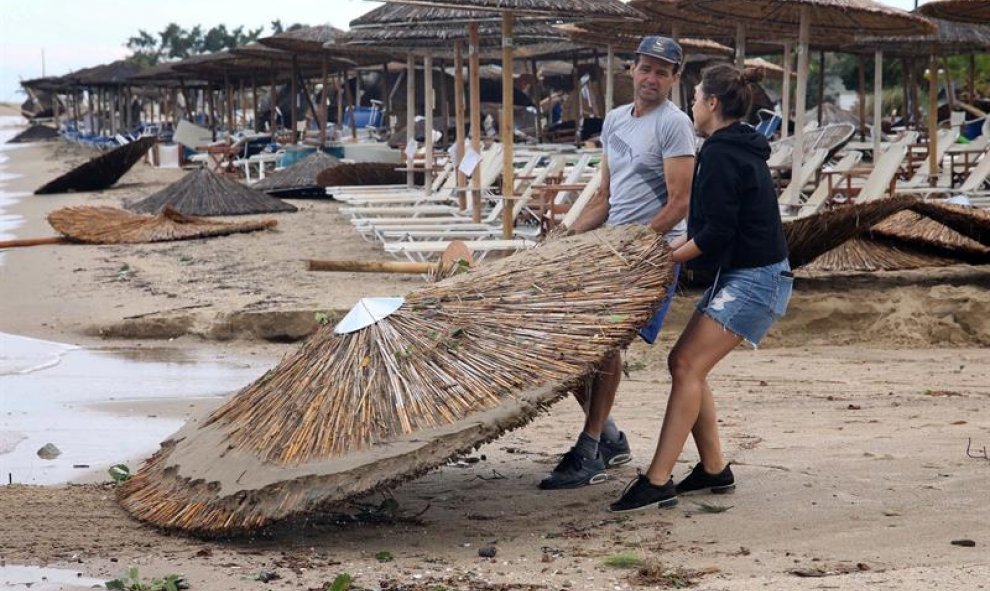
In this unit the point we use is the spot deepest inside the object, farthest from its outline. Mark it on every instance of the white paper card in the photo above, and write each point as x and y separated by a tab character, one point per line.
452	151
470	162
411	148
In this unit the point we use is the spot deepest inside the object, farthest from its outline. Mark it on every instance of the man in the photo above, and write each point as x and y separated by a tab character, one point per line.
647	167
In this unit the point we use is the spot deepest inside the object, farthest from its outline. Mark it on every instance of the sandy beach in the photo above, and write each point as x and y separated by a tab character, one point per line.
848	428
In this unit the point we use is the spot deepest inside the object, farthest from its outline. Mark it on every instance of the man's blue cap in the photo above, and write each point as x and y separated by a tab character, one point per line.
662	48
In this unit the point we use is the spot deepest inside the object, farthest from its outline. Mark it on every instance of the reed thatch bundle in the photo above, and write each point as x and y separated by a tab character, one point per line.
35	133
204	192
970	222
109	225
969	11
298	180
811	236
921	231
870	254
100	172
456	365
361	173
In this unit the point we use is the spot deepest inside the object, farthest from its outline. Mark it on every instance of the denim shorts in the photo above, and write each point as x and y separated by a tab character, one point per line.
651	331
748	301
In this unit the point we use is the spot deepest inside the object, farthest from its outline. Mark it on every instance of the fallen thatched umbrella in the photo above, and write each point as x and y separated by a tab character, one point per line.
455	366
204	192
109	225
35	133
361	173
871	254
969	221
811	236
298	180
912	227
100	172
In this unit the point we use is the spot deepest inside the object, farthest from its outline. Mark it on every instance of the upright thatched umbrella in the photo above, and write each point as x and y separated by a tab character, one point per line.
109	225
976	12
204	192
100	172
455	366
834	21
299	179
561	9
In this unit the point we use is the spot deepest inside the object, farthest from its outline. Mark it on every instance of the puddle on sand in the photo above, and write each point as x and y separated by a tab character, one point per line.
38	578
94	406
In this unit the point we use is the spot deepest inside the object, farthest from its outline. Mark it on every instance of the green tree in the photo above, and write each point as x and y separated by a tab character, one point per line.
175	42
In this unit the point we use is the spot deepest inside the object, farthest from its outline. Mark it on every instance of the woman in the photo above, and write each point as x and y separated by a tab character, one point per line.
734	229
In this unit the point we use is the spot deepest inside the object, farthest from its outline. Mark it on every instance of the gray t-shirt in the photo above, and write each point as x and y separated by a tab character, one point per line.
635	148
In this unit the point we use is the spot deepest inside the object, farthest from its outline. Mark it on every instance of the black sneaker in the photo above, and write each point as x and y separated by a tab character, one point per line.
720	484
642	494
575	470
615	453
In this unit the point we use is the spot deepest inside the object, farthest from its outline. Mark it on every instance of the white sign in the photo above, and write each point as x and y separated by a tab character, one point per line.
411	148
470	162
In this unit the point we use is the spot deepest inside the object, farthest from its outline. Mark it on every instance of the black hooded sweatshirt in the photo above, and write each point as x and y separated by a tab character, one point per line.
734	217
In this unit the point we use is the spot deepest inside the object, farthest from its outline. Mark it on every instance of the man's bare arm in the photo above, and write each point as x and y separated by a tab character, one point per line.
596	210
679	173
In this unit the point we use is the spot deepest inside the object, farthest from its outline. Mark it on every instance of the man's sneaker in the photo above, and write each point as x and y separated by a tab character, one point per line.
575	470
722	483
642	494
615	453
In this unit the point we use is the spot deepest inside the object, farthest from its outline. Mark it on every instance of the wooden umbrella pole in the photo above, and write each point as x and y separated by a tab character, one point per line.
877	102
322	116
785	107
444	103
410	117
610	81
538	95
229	92
459	121
213	116
740	45
428	106
294	91
340	103
861	95
387	99
353	100
20	242
242	102
254	104
474	58
821	87
677	92
801	93
273	100
932	119
508	125
906	90
971	80
370	266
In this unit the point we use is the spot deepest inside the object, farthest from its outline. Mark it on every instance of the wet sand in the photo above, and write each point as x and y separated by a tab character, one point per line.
848	429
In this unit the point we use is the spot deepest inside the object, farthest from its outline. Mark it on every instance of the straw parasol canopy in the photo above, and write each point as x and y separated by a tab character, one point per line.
456	365
950	38
300	178
604	35
360	173
967	11
873	254
920	230
35	133
559	9
100	172
206	193
970	222
109	225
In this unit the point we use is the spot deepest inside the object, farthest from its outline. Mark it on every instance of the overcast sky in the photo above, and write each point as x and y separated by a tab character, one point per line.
79	33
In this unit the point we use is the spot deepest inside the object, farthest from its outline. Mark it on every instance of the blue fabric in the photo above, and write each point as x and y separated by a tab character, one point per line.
747	301
651	331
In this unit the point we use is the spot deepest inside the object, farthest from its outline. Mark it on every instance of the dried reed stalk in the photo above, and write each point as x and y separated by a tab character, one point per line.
458	364
109	225
970	222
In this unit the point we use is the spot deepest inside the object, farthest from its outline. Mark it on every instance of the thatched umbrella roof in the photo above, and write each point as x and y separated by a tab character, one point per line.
968	11
100	172
970	222
116	73
109	225
950	38
298	179
361	173
35	133
458	364
663	16
204	192
869	255
920	230
443	36
558	9
303	40
832	20
596	35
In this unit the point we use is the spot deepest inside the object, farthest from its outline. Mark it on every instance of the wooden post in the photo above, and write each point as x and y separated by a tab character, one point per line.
785	107
610	80
932	120
915	98
877	102
352	99
231	123
906	89
273	103
241	101
740	45
322	117
802	93
294	92
92	124
538	95
410	116
387	99
444	104
971	80
508	126
677	92
821	85
340	104
861	94
254	104
212	105
474	58
459	121
429	101
950	92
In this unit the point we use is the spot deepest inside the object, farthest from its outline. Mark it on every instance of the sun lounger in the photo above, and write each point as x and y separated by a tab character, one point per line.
819	197
421	251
